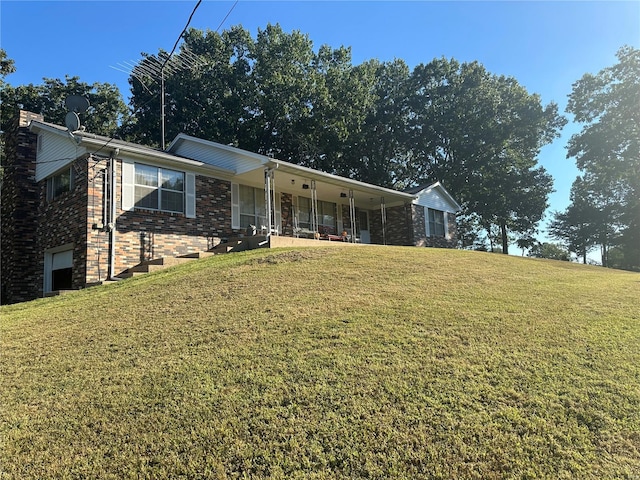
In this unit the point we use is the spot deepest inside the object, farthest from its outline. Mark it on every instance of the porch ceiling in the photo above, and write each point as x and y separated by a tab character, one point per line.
290	178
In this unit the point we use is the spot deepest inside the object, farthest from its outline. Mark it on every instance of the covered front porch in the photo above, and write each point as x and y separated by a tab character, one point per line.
286	200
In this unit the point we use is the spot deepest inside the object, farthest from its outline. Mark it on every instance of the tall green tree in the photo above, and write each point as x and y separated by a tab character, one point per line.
208	98
7	66
607	149
377	148
591	219
480	134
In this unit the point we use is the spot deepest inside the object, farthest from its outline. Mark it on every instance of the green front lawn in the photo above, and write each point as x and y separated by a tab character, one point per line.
365	362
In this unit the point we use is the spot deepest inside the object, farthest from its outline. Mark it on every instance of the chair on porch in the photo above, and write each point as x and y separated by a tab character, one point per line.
356	239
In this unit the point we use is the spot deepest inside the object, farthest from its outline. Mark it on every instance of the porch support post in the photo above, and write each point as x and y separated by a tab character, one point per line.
383	215
314	209
352	216
268	197
274	205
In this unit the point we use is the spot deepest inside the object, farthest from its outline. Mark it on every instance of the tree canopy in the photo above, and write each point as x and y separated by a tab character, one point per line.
480	134
104	116
550	251
380	122
607	150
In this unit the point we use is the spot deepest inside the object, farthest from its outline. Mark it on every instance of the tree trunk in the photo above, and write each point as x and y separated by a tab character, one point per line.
505	240
584	256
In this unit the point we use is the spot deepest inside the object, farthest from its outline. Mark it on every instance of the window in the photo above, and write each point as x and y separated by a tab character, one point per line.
252	207
436	223
60	183
158	188
326	213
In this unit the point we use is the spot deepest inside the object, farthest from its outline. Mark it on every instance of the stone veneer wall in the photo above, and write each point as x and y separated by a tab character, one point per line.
143	234
19	275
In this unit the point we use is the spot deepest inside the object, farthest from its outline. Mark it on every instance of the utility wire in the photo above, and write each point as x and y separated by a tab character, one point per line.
182	33
227	15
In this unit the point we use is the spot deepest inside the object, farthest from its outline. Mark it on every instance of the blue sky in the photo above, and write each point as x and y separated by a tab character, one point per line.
545	45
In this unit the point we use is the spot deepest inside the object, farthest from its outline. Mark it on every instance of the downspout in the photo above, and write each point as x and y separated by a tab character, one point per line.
111	226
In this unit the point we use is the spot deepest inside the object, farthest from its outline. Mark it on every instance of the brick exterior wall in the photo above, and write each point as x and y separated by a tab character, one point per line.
442	242
62	221
143	234
19	275
406	226
286	214
97	248
32	225
399	229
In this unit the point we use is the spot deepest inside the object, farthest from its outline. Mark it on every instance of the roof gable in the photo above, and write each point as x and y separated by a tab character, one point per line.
435	196
216	154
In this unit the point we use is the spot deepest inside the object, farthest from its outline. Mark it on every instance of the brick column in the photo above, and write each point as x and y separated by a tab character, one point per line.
20	275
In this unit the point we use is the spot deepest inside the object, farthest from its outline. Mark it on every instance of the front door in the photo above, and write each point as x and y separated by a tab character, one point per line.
363	226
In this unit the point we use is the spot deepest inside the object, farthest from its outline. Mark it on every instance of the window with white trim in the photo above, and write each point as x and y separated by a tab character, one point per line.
436	225
326	213
158	188
252	207
60	183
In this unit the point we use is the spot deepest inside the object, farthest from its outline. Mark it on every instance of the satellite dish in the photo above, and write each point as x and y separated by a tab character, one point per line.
72	121
76	103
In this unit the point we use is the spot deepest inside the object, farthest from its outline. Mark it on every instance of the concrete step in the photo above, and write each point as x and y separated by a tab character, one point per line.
56	293
237	244
151	266
198	255
166	261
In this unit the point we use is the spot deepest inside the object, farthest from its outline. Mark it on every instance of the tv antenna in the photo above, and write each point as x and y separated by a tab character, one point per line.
156	68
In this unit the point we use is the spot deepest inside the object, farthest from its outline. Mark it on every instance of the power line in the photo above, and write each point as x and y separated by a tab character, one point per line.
181	33
227	15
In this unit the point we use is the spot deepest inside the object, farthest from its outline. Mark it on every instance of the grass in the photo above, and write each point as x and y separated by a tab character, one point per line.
340	363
